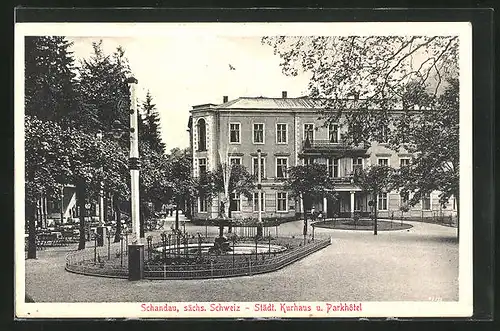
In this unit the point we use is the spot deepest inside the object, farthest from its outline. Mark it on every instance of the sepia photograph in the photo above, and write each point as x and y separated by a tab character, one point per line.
243	170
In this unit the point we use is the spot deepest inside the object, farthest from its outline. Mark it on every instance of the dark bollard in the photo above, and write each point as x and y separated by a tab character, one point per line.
136	262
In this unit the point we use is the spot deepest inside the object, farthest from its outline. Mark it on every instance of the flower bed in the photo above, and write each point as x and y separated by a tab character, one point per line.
361	224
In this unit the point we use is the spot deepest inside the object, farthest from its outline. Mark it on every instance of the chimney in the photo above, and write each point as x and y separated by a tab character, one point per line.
283	94
225	99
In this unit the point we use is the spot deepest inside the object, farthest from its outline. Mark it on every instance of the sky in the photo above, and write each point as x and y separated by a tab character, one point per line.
183	71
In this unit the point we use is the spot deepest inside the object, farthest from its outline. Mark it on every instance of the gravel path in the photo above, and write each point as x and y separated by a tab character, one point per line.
415	264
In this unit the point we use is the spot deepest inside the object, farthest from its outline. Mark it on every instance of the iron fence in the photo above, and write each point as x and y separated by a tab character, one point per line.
243	267
113	262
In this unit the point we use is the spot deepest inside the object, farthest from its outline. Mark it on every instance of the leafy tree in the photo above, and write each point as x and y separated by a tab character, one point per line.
433	138
181	186
45	168
361	80
105	94
228	179
83	151
375	180
154	180
51	89
113	173
368	74
151	125
105	100
309	182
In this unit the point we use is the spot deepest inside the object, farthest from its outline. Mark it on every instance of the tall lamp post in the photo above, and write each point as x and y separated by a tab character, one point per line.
136	249
134	161
101	229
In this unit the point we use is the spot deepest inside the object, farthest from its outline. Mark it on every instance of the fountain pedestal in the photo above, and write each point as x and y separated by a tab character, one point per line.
221	245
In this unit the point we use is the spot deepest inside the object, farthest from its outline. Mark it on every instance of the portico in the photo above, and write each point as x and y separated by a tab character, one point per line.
347	203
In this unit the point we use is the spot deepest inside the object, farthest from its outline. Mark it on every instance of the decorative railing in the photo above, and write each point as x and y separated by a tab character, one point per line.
325	144
96	262
253	264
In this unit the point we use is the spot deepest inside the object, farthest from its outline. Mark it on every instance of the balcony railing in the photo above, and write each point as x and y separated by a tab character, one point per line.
329	146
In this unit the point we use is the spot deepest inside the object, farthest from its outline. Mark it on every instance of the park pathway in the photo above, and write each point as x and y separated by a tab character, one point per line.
418	264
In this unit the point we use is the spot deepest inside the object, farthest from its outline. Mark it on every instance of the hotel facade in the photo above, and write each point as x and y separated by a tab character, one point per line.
288	132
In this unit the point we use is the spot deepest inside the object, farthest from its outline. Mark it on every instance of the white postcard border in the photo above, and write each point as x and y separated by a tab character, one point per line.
462	308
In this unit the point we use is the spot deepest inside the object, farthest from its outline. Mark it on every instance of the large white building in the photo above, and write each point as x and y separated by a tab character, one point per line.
289	132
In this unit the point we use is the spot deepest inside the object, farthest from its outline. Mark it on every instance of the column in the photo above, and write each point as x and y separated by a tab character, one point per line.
352	203
325	207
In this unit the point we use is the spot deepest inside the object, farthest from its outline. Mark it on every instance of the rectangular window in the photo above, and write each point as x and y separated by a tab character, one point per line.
383	162
255	165
281	133
281	166
282	201
202	166
357	165
258	133
404	162
426	201
333	133
203	204
234	133
235	160
382	201
309	132
308	160
256	201
333	167
235	203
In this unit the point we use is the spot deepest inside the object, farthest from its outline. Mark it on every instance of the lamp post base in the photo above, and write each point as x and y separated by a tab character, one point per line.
136	261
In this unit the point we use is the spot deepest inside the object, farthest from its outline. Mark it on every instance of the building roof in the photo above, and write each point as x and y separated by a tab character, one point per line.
287	104
272	103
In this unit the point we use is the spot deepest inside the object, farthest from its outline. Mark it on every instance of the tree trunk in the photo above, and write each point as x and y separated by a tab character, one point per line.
375	205
105	206
118	218
304	211
39	213
31	215
177	215
80	196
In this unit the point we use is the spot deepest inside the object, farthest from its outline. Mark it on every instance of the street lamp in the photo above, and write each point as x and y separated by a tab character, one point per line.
136	249
100	229
134	162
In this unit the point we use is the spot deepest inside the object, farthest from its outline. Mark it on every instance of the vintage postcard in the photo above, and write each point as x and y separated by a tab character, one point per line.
269	170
